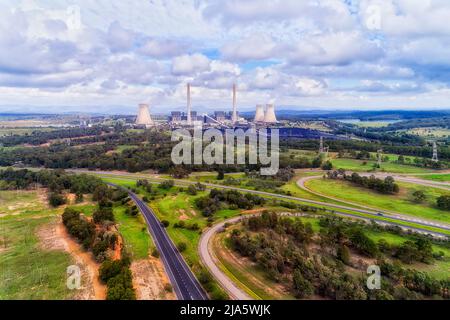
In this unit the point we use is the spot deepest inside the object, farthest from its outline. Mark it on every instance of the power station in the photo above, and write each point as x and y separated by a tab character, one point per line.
143	117
264	115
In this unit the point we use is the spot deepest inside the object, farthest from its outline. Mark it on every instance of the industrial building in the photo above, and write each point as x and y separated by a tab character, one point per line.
265	115
143	117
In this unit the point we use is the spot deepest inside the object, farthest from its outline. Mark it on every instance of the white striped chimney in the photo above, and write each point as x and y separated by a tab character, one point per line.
234	118
189	120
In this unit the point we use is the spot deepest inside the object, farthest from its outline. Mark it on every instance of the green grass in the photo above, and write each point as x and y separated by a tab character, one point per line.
134	233
130	181
122	148
28	272
358	165
436	177
398	203
21	131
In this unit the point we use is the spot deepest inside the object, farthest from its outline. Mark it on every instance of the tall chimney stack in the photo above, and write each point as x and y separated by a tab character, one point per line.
234	118
189	120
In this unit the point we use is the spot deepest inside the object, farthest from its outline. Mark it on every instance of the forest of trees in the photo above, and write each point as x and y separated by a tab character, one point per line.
217	199
40	137
282	247
347	146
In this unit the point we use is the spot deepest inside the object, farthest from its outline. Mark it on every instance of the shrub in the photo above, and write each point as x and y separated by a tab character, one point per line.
155	253
56	199
167	184
182	246
443	202
103	214
303	288
165	223
343	254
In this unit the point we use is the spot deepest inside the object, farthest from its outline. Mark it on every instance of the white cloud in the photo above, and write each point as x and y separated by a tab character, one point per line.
334	49
189	65
162	48
255	47
297	52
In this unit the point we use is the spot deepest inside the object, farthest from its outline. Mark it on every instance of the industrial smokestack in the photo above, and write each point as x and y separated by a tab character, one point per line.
259	115
269	116
143	117
189	120
234	118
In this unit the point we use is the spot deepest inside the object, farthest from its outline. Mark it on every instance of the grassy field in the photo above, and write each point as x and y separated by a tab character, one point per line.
8	131
367	166
28	271
440	269
122	148
134	233
401	203
131	181
436	177
432	132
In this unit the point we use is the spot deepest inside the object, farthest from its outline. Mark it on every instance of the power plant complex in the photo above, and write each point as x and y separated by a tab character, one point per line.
264	115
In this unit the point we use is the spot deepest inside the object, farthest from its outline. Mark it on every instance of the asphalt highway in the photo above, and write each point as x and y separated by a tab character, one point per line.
184	282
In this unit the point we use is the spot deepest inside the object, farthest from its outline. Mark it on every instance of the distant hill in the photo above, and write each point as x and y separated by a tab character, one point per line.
361	115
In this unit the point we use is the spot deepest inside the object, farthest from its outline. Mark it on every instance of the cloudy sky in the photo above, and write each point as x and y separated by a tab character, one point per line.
109	55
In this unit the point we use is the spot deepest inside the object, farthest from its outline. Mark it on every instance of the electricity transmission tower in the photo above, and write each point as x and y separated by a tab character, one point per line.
435	152
379	157
321	149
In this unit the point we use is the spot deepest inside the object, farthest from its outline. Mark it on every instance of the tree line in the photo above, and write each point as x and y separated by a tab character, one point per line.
385	186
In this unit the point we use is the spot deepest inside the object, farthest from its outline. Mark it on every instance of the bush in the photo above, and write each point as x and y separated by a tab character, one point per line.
303	288
443	202
168	287
78	227
167	184
343	254
155	253
56	199
191	190
182	246
165	223
327	165
120	287
110	269
103	214
419	196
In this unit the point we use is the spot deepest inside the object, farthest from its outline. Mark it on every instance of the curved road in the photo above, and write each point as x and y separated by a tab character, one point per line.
388	214
209	259
374	213
183	281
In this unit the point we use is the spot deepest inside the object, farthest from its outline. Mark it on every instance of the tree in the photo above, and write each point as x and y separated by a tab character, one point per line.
103	214
56	199
182	246
220	175
165	223
79	197
191	190
443	202
343	254
327	165
303	288
419	196
167	184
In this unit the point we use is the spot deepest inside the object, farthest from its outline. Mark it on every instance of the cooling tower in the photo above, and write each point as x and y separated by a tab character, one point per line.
189	119
269	116
234	117
259	115
143	117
